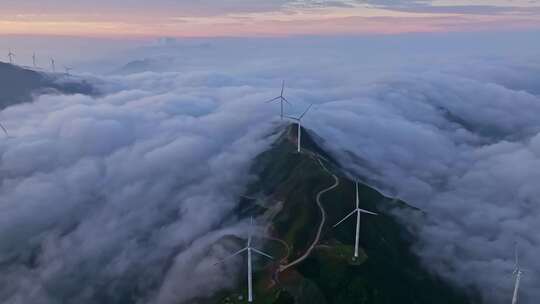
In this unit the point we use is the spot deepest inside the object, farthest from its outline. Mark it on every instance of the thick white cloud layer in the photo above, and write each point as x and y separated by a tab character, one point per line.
466	152
129	193
99	196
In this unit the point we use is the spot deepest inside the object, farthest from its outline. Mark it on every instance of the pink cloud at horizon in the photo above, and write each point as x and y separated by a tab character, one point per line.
292	21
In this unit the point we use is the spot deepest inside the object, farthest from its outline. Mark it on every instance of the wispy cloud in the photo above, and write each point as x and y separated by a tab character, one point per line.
441	7
123	18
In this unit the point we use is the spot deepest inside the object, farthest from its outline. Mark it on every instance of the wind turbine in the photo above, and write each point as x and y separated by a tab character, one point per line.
299	122
4	129
517	273
358	212
11	55
68	69
249	250
53	66
34	60
281	98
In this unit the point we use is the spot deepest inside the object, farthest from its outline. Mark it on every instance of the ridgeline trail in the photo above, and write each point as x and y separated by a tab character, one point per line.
323	218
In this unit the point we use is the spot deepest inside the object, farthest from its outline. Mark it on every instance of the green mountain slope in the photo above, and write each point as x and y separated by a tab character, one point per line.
285	197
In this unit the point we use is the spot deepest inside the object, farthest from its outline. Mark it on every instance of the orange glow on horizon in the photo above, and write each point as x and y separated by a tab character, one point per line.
306	22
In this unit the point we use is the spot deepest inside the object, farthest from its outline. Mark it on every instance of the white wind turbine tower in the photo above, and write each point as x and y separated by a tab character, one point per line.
299	122
53	65
358	212
517	273
68	69
11	55
281	98
249	250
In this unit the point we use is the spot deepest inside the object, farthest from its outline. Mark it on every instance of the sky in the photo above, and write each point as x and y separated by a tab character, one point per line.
212	18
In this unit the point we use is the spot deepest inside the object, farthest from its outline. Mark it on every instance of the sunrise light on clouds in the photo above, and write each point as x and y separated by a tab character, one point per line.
256	18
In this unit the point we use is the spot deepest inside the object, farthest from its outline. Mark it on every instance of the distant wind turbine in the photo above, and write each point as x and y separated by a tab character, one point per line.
53	65
68	69
281	98
517	273
249	250
11	55
34	60
358	212
4	129
299	122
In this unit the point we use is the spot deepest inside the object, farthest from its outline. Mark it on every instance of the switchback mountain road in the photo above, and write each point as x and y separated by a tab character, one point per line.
321	225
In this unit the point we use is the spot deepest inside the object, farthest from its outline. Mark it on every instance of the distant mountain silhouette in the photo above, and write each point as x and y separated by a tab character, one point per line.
136	66
145	65
20	85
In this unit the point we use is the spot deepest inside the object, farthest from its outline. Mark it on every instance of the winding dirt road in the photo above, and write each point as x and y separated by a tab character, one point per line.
321	225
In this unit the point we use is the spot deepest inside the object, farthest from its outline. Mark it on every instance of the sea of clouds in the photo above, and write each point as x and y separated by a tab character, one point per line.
124	198
464	150
128	197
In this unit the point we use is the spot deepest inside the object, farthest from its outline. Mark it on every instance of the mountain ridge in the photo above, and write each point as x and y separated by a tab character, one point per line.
284	199
20	85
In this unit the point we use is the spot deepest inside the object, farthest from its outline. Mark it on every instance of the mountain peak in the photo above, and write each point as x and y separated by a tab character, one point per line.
300	196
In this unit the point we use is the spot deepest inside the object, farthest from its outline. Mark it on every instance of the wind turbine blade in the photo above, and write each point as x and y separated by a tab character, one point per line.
357	196
305	111
279	97
516	255
285	99
368	212
250	230
231	256
293	118
262	253
4	129
282	87
343	220
515	296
